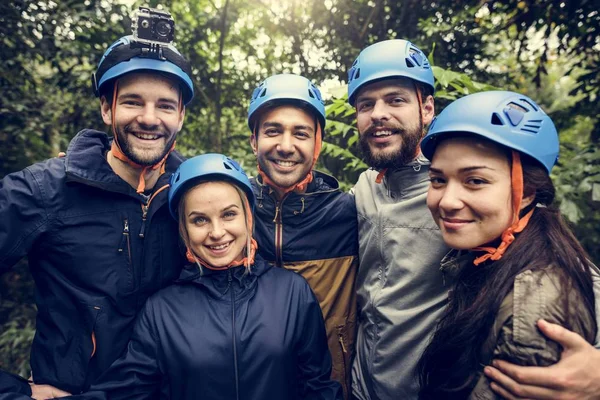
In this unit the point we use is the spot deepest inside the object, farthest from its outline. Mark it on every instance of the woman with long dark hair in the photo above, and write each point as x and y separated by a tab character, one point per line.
514	259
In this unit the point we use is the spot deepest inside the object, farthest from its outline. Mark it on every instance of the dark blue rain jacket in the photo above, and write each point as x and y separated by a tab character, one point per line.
226	335
97	250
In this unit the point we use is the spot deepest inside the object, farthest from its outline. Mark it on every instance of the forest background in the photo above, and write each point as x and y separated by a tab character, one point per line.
547	49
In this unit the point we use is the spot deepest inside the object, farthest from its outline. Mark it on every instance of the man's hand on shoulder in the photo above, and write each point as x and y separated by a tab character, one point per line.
41	392
575	376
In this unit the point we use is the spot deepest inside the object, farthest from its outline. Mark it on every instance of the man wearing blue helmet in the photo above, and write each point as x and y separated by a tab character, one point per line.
401	293
304	222
95	224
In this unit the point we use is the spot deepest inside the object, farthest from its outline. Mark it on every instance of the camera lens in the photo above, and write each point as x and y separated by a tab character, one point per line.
163	28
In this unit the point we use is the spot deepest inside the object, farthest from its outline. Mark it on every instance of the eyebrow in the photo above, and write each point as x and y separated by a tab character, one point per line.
466	169
268	124
134	96
224	209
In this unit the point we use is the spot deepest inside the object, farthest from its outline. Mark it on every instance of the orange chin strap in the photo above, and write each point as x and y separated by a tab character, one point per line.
246	261
116	151
303	184
518	224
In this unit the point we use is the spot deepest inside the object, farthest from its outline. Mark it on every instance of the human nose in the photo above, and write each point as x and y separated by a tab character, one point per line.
148	116
451	198
217	230
286	144
380	111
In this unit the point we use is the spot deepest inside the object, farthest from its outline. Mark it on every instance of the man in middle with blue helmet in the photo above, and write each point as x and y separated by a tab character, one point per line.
304	222
401	292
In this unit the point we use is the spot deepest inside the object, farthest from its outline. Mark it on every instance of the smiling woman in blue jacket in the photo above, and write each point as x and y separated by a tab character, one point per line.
231	326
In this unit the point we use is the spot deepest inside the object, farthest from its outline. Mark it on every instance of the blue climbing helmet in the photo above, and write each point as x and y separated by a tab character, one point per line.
126	55
507	118
394	58
207	167
286	89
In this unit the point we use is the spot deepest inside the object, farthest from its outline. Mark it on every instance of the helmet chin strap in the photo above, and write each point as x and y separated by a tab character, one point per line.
518	224
118	153
303	184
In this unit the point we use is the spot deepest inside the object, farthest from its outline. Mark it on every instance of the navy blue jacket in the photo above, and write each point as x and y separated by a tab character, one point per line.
97	250
226	335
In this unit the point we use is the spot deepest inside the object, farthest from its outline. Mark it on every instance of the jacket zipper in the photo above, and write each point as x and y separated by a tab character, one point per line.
278	220
235	362
125	239
145	208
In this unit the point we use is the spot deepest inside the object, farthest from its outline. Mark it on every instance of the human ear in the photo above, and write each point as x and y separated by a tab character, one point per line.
526	201
106	111
428	108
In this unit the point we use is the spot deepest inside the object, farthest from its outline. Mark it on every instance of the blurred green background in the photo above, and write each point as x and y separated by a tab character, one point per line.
548	50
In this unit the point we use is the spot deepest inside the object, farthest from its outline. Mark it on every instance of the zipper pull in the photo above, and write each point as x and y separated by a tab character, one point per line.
124	235
341	340
144	215
276	213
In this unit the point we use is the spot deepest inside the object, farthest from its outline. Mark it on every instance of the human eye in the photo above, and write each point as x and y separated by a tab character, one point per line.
167	107
436	181
397	100
199	220
230	214
476	181
132	103
302	135
364	105
271	131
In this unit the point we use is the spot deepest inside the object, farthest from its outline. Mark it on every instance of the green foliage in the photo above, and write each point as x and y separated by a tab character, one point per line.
546	49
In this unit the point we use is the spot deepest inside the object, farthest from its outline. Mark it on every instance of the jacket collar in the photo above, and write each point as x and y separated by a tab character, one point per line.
410	178
321	182
86	163
191	273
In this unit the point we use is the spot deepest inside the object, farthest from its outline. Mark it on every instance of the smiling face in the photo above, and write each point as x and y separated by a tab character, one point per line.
285	145
470	192
215	223
147	116
389	123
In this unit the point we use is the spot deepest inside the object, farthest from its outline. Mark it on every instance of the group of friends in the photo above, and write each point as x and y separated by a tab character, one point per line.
446	273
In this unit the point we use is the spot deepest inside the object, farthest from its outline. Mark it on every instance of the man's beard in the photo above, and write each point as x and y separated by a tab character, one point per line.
143	158
406	153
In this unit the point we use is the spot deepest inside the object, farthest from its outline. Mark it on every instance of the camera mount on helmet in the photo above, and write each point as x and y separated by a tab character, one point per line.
149	48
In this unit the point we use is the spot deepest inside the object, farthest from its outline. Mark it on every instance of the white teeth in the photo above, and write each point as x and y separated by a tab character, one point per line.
219	247
146	136
285	163
382	133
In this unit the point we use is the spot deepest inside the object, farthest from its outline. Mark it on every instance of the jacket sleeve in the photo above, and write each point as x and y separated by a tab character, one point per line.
136	374
314	360
536	294
23	216
14	385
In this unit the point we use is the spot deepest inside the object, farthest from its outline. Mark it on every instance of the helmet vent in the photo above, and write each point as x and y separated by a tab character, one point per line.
496	120
263	93
409	63
530	104
515	113
532	126
357	74
227	166
310	93
176	177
